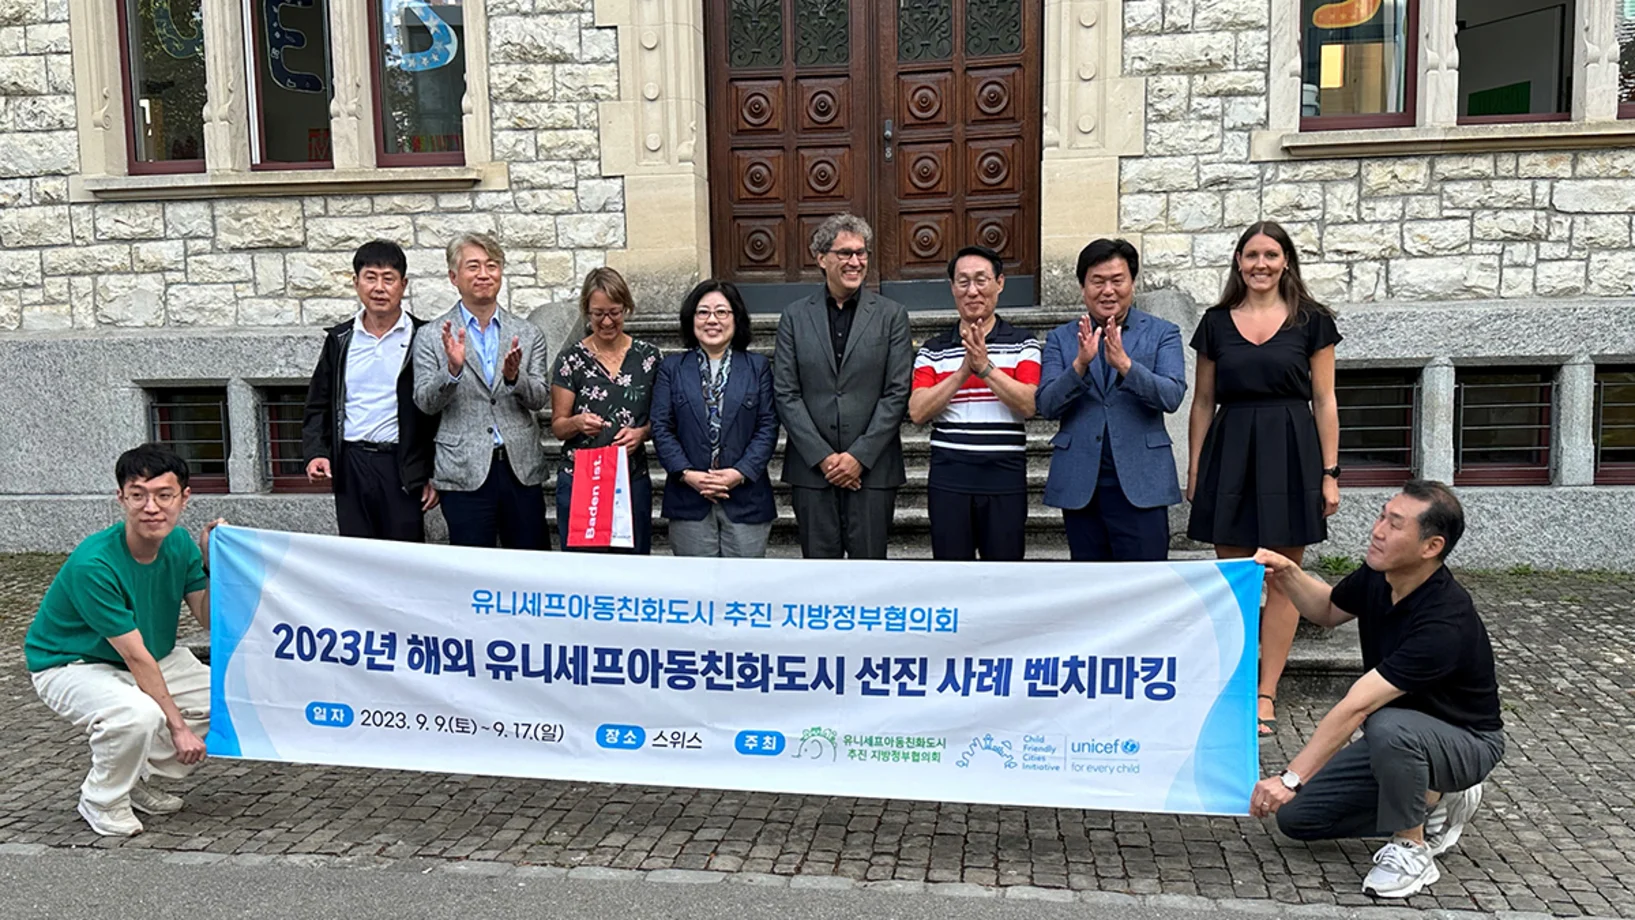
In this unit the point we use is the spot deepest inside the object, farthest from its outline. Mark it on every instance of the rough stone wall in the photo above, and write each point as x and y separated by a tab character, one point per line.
1415	228
286	261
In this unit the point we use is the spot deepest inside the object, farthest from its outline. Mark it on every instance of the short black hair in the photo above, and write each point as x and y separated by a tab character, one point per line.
741	333
1105	250
147	461
984	252
1444	518
380	254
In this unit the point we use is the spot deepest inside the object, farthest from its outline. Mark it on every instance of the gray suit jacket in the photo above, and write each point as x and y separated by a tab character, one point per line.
855	407
470	409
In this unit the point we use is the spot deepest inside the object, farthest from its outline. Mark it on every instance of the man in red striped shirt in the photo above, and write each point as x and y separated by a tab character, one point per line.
975	384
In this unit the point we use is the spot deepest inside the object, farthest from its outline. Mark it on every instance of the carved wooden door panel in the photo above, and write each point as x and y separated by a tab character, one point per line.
959	86
921	116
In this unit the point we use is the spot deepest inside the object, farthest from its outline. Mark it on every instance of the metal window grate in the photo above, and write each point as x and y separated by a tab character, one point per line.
1615	425
283	466
192	421
1503	425
1378	410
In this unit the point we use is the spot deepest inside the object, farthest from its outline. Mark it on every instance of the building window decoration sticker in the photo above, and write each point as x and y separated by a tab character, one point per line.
280	39
822	33
755	33
422	77
925	30
993	27
164	63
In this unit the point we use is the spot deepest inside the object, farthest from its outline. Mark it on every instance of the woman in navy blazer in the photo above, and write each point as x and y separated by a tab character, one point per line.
714	429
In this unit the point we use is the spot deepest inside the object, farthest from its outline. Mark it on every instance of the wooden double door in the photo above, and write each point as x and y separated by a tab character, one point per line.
921	116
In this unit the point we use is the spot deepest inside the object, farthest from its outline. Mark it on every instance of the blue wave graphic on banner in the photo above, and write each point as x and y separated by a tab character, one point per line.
1227	737
239	562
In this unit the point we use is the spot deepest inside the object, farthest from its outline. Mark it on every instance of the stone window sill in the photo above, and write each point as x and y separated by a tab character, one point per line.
1554	135
288	182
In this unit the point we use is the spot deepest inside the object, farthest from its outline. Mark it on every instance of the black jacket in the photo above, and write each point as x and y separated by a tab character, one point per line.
325	422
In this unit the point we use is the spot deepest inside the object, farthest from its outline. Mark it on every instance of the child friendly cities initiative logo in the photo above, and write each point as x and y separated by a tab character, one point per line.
1046	753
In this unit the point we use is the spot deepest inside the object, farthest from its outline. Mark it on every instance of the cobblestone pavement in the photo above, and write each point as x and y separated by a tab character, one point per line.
1556	833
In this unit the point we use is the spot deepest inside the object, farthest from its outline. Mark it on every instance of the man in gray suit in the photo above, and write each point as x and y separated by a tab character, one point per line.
482	370
841	377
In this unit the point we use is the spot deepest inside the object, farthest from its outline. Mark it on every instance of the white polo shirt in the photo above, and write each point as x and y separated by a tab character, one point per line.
372	367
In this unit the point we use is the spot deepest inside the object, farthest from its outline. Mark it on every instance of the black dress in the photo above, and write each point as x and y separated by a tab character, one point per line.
1260	477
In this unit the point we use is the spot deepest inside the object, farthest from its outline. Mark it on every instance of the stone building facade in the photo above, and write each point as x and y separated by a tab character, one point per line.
1453	250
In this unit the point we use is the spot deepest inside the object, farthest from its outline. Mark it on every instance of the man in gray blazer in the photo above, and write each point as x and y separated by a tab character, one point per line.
482	370
841	374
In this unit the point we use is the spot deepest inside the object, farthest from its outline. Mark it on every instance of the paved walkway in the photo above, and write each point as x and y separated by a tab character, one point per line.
1556	833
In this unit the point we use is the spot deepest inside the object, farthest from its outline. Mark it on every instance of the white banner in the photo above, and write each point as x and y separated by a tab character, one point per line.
1106	686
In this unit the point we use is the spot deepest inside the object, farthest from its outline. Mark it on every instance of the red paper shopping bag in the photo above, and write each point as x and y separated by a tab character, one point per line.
599	510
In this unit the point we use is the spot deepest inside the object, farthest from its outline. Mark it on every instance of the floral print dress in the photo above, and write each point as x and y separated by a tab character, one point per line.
624	400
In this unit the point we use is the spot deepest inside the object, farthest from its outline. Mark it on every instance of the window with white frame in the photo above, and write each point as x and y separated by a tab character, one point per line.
232	88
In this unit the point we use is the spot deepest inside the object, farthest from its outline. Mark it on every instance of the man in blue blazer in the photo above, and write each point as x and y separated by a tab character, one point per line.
1110	376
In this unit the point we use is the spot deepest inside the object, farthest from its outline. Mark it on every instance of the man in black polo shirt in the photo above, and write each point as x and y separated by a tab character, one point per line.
1428	705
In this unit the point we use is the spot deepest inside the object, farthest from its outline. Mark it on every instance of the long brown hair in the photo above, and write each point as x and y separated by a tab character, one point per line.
1291	287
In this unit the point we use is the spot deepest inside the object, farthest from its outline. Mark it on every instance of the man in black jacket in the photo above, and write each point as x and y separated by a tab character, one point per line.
362	430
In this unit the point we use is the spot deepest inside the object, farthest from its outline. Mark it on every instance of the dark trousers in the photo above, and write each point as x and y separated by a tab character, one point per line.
370	501
964	526
1375	786
641	512
1110	529
833	522
501	509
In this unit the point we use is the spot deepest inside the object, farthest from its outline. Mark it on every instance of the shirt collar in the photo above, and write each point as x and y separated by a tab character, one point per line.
829	298
466	317
401	324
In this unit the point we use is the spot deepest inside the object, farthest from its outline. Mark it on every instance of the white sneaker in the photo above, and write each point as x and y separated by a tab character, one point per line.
1401	868
150	801
1447	820
110	822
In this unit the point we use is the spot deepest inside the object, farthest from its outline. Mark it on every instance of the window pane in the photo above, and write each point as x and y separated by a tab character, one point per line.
1504	418
1356	57
1376	418
1615	416
1515	58
164	49
282	410
1626	58
293	81
925	30
755	33
993	27
193	423
423	76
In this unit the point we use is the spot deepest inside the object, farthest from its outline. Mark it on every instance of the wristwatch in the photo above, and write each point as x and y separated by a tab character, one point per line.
1291	780
1333	471
985	371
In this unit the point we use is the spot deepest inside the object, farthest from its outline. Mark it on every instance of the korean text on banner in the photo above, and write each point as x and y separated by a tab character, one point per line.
1131	688
599	513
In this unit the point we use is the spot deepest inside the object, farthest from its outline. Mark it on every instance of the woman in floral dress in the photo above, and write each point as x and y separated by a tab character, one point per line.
601	393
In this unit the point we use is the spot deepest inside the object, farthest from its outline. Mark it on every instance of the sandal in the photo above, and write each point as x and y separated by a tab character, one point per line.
1267	726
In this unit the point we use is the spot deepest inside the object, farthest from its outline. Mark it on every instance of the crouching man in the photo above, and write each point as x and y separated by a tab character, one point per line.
102	649
1428	704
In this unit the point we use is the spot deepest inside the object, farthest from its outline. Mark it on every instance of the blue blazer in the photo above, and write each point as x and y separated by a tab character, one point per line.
1131	412
749	432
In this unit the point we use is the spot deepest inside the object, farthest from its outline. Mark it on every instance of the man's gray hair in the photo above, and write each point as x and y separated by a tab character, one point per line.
823	238
482	241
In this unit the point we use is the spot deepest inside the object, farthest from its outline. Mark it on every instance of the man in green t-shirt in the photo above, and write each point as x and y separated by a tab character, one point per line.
102	650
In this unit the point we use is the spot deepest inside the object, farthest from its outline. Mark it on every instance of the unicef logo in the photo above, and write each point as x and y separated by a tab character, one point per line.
1130	747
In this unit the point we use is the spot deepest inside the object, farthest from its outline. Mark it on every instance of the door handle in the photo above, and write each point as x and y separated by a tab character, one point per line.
888	136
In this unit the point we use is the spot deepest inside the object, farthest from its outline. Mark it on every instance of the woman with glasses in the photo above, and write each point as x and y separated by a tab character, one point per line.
714	428
601	393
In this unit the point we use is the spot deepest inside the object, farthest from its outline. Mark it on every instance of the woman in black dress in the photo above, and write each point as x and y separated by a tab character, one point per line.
1264	434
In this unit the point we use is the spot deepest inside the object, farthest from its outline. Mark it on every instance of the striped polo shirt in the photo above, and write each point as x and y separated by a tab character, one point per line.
978	444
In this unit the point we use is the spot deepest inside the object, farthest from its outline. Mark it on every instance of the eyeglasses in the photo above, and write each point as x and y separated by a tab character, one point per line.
598	316
980	282
138	498
846	255
717	313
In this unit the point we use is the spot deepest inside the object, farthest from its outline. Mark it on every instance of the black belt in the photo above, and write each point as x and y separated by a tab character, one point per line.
499	452
373	447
